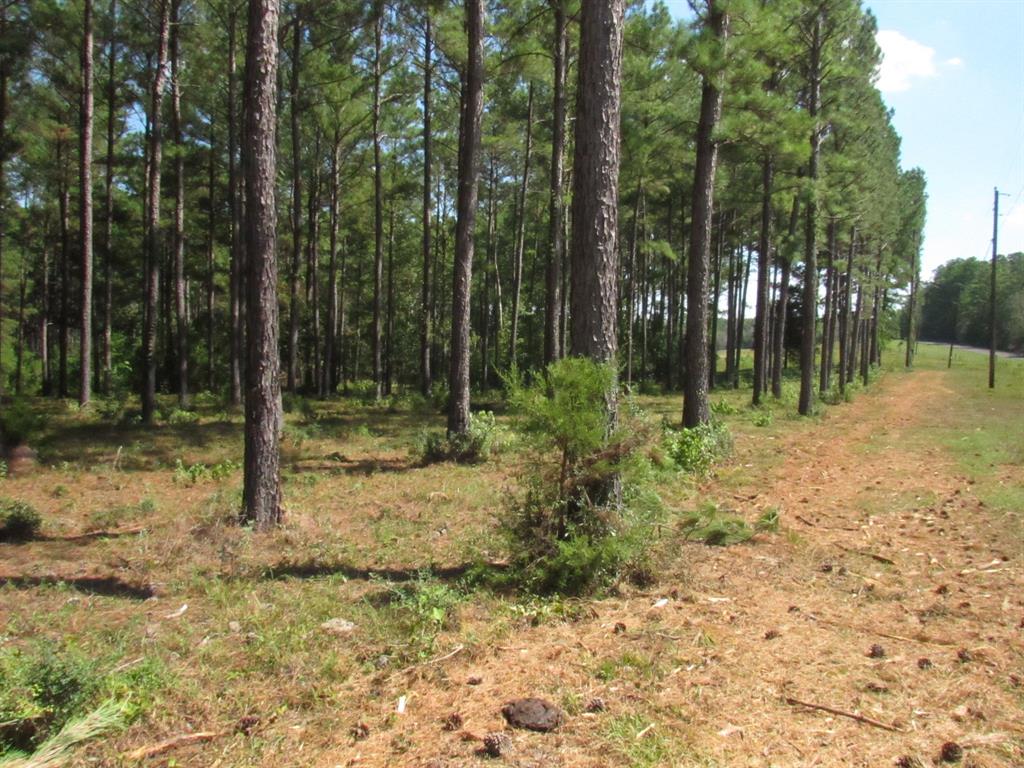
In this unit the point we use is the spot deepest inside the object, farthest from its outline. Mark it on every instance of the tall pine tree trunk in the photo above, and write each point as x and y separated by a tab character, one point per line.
426	298
293	277
552	273
378	205
261	495
181	326
810	286
520	240
85	205
469	150
108	207
595	254
234	211
153	233
695	392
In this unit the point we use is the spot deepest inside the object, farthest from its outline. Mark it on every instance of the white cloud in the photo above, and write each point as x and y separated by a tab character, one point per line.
956	61
903	60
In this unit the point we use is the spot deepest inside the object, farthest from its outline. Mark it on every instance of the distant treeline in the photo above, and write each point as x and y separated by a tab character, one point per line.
956	303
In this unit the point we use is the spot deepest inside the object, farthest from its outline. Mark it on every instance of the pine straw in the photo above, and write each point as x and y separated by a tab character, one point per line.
744	627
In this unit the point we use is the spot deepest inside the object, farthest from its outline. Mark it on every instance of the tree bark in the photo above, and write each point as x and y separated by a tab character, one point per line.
426	299
153	233
552	274
378	205
210	263
181	327
63	204
695	391
763	267
108	207
263	417
827	330
293	277
235	298
469	150
85	205
594	260
327	375
520	239
810	287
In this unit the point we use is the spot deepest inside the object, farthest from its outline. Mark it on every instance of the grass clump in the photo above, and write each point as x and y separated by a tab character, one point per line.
697	449
19	520
714	527
583	517
473	447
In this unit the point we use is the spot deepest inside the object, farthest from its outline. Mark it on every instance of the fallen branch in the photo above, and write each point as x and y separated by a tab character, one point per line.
167	745
865	553
841	713
879	633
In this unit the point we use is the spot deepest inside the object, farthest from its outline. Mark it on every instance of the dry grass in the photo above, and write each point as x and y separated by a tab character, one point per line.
889	538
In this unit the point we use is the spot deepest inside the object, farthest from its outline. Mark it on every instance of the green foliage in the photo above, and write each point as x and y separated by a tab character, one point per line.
711	526
582	519
193	473
763	417
696	449
178	417
19	422
473	447
54	686
19	521
724	408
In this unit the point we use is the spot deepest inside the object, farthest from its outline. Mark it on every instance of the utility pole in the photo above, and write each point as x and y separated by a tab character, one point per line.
992	291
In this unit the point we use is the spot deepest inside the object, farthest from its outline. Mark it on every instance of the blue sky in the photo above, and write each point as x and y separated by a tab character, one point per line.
953	72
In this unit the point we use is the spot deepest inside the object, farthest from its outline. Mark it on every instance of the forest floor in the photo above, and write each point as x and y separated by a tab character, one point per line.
893	592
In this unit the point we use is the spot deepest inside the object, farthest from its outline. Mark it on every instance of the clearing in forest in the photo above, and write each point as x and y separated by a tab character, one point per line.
883	621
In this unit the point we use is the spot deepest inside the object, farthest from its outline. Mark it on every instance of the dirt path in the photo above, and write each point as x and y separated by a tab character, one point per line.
889	595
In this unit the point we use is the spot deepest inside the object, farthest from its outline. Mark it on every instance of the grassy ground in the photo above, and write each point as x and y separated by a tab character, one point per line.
901	527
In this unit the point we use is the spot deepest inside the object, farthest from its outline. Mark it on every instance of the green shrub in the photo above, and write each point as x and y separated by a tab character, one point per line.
179	416
582	518
19	520
19	423
194	473
696	449
716	528
724	408
473	447
763	417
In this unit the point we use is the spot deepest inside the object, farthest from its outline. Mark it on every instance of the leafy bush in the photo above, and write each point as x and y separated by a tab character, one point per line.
19	423
179	416
763	417
473	447
716	528
194	473
19	520
582	518
724	408
696	449
43	684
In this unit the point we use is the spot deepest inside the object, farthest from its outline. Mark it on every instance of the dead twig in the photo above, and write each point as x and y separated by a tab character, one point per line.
143	753
865	553
879	633
841	713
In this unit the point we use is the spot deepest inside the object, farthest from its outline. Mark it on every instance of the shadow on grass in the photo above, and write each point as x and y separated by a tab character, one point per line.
314	570
105	586
95	443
